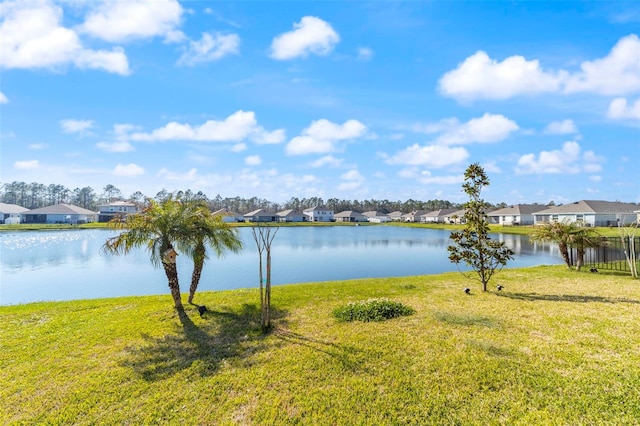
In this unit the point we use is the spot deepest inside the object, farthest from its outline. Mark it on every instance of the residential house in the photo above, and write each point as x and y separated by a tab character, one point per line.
350	216
376	216
456	216
10	213
413	216
590	212
119	209
519	214
291	215
260	215
59	213
319	214
395	216
436	216
228	216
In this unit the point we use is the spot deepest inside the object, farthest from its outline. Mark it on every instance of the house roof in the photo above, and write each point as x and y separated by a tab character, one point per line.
118	204
348	213
62	209
415	213
395	214
290	212
591	206
440	212
257	212
310	209
225	212
374	213
518	209
12	208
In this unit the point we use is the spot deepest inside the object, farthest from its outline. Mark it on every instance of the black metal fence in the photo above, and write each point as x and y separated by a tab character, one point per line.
611	254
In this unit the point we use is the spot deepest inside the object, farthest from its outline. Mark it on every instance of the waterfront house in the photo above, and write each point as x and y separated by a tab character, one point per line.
119	209
376	216
10	213
260	215
413	216
590	213
228	216
519	214
319	214
395	216
436	216
291	215
59	213
350	216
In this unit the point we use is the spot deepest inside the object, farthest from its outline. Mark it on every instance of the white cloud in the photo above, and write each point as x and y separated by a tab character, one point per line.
618	73
480	77
37	146
491	167
128	170
427	178
119	21
327	160
567	160
595	178
619	109
122	146
239	147
365	53
564	127
76	126
430	156
209	48
352	175
310	35
253	160
121	139
235	128
27	165
31	36
322	136
489	128
3	99
190	176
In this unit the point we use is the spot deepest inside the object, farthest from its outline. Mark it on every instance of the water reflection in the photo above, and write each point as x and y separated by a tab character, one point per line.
63	265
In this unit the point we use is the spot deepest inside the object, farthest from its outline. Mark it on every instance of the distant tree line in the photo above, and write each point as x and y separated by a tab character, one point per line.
35	195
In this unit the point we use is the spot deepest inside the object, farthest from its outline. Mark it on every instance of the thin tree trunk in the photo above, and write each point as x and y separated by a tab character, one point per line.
268	289
195	278
171	270
564	251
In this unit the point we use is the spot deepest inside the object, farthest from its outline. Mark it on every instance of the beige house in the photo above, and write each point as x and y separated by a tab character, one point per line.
59	213
519	214
11	213
590	212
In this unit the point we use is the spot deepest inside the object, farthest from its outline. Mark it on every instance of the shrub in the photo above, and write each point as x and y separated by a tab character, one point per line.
371	310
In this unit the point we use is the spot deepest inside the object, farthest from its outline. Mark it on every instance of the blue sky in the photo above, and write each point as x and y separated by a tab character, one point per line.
354	100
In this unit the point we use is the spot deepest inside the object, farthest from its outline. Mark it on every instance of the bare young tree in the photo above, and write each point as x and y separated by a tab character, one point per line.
628	236
263	236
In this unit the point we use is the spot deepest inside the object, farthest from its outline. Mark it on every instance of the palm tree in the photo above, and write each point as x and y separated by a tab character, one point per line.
209	230
567	234
164	228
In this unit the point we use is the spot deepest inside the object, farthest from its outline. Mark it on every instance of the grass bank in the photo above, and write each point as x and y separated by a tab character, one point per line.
554	347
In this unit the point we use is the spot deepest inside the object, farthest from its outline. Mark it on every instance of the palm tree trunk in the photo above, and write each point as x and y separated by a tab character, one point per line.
171	270
564	251
195	278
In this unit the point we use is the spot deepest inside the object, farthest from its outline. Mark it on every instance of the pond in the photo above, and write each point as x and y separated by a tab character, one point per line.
69	264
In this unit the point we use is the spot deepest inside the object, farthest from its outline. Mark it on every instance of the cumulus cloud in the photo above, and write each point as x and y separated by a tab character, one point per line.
3	99
351	180
27	165
76	126
619	109
365	53
327	160
567	160
31	36
480	77
128	170
430	156
209	48
563	127
428	178
239	147
489	128
310	35
322	136
253	160
120	141
120	21
235	128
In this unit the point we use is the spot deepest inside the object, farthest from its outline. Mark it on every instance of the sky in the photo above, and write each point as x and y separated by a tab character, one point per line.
350	100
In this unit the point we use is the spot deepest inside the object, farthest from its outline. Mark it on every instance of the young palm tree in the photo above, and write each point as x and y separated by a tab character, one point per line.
163	228
210	230
567	234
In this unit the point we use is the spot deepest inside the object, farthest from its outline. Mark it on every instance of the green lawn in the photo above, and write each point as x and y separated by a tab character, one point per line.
554	347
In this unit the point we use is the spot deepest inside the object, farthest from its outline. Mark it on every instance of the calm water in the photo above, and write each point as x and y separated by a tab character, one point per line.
65	265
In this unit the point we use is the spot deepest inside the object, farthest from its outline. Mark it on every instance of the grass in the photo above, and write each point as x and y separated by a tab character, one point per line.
554	347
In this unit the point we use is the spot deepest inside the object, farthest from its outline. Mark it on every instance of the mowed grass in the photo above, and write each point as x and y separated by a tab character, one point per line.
554	347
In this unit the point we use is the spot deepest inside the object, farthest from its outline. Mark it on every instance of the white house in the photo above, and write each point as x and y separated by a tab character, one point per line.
590	212
260	215
319	214
121	209
59	213
519	214
413	216
395	216
376	216
350	216
228	216
436	216
291	215
10	213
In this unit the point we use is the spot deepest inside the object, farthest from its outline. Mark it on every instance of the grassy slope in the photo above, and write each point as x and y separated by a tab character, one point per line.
555	347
